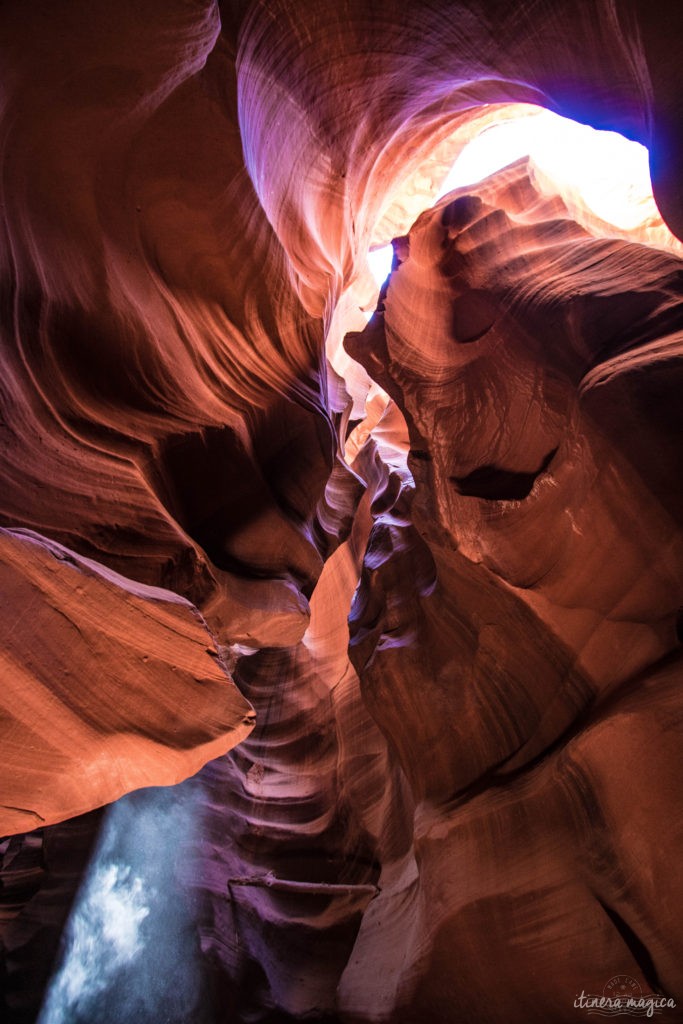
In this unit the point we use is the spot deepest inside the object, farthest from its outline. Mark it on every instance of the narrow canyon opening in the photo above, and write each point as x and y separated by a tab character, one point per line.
340	522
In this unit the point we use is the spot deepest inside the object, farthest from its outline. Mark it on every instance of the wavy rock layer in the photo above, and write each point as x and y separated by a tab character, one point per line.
486	796
106	686
529	666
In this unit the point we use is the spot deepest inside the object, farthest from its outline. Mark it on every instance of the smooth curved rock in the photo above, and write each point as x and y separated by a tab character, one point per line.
490	791
521	673
107	685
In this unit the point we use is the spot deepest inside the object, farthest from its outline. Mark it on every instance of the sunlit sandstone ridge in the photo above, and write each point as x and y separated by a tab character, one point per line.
411	598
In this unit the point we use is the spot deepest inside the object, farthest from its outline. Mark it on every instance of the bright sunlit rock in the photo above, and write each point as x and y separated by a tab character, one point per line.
609	172
379	261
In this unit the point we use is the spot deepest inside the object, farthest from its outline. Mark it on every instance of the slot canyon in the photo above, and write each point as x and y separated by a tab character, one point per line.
340	657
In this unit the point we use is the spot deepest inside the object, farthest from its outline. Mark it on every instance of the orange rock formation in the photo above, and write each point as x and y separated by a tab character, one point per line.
426	646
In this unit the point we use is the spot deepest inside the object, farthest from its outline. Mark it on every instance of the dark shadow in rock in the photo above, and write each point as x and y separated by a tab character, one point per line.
493	483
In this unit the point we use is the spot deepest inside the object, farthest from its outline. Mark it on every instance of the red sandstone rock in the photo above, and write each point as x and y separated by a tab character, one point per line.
106	686
188	193
520	676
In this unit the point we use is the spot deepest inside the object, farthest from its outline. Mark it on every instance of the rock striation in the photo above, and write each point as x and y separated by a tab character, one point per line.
107	686
402	595
525	758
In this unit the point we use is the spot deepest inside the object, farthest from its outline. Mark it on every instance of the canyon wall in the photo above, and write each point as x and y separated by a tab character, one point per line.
406	593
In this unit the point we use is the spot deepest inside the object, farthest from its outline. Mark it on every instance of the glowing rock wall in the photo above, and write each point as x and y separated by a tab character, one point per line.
460	797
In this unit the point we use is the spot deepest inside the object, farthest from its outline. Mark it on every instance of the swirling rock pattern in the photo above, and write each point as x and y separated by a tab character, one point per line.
106	686
465	805
522	755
